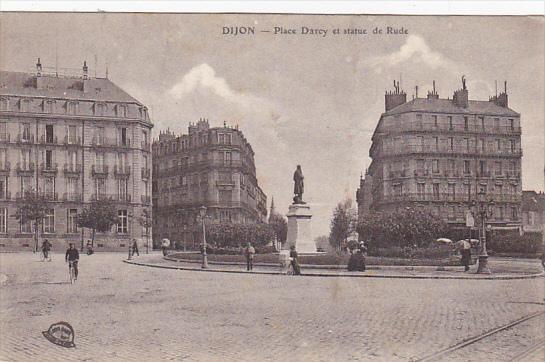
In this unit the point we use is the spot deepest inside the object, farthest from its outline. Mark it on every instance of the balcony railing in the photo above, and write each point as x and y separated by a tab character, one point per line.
72	169
5	137
72	196
146	200
448	197
25	168
99	170
72	140
145	173
49	168
122	170
49	196
111	197
110	142
455	127
48	140
25	138
390	151
5	166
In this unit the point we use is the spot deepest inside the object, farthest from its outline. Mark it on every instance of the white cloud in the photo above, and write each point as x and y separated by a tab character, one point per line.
414	49
204	77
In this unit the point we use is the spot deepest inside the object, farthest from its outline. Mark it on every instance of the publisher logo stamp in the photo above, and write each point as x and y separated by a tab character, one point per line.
61	334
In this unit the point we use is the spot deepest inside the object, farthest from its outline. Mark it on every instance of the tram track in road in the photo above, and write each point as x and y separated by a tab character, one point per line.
470	341
532	351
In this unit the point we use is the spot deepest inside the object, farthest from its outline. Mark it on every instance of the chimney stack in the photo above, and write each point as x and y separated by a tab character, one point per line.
39	68
461	96
85	70
501	99
433	94
394	98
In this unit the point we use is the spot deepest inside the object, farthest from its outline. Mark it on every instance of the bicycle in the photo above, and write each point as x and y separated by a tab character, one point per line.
45	255
72	271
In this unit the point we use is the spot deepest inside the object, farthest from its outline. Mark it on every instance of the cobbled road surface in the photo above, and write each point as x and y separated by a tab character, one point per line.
132	313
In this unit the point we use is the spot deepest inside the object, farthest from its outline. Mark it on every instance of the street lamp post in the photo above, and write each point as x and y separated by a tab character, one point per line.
202	212
485	211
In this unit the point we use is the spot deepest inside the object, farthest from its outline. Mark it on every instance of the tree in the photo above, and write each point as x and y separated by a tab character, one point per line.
280	227
227	235
343	223
404	228
32	207
146	222
98	216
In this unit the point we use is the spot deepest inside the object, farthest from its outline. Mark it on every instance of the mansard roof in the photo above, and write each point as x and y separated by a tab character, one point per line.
432	105
94	89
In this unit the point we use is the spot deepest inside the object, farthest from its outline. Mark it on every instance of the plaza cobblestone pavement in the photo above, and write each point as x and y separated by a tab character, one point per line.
131	313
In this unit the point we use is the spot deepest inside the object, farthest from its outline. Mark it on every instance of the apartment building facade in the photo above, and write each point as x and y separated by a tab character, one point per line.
439	154
211	167
74	139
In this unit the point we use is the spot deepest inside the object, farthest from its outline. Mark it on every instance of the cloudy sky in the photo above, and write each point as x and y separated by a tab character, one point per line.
299	99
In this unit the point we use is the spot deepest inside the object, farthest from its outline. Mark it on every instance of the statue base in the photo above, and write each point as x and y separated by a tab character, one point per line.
299	231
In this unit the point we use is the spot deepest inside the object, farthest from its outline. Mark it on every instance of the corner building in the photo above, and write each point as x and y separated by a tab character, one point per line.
211	167
438	154
74	139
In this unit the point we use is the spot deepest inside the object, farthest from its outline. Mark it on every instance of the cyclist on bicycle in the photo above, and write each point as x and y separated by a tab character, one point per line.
46	247
72	257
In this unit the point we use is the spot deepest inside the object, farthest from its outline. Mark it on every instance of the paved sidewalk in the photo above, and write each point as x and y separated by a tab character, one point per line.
505	269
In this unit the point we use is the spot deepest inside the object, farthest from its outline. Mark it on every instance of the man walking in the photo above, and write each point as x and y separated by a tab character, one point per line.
250	251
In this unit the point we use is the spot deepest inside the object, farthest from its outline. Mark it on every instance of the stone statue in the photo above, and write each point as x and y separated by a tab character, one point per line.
299	187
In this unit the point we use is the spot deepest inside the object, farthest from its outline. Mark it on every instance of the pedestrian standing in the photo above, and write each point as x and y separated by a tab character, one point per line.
164	245
295	261
465	252
249	251
135	247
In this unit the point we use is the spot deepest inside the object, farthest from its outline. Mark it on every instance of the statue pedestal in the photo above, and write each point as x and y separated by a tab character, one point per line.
299	232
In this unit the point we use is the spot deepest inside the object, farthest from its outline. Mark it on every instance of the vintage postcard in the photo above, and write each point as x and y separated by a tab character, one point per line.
268	187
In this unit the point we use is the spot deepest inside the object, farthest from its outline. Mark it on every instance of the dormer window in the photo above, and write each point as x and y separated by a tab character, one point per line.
4	104
47	106
121	111
71	108
100	109
24	105
143	113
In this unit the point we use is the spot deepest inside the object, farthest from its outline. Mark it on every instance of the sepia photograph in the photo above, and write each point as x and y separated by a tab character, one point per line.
271	186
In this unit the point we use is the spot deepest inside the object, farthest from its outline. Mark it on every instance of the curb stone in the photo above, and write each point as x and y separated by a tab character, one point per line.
331	275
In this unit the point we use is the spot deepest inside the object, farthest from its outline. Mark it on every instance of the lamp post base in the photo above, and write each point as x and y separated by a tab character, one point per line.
204	261
483	265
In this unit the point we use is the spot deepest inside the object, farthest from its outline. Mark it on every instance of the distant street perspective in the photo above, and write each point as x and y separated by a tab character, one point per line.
128	312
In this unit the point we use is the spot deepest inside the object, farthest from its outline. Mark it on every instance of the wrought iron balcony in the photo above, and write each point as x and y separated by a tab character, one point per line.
49	168
5	166
72	140
22	138
99	170
146	199
44	139
5	195
26	168
145	173
72	169
122	171
72	196
5	138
